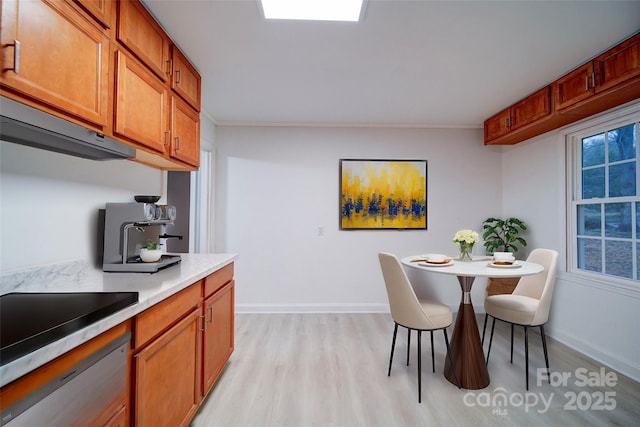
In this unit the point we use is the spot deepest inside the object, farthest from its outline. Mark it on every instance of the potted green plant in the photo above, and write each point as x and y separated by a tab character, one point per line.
150	251
503	234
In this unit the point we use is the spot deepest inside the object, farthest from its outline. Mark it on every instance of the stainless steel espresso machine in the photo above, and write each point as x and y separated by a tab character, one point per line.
127	226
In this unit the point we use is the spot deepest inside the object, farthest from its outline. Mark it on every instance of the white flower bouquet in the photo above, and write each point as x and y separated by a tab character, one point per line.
466	236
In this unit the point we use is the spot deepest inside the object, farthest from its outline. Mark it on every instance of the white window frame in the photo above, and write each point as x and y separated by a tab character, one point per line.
573	136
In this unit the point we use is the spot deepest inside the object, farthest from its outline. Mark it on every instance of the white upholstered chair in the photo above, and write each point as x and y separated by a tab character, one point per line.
527	306
414	314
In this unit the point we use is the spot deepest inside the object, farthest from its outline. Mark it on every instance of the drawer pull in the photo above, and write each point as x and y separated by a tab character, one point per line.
16	56
178	78
204	324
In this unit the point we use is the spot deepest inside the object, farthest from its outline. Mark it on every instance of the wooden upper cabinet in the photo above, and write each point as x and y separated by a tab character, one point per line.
141	102
607	81
576	86
55	56
618	64
535	107
185	132
102	11
185	78
497	126
141	34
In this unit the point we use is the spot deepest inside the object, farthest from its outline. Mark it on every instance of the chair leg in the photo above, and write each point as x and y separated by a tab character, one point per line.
526	356
393	345
433	357
484	327
493	325
419	366
546	356
453	366
408	344
512	343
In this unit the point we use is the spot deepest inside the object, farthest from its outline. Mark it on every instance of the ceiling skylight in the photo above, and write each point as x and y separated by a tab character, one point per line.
313	10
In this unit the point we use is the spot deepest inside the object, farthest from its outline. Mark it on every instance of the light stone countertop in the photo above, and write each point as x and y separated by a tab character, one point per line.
80	276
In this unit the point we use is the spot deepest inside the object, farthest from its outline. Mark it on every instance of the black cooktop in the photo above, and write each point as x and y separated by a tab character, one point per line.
29	321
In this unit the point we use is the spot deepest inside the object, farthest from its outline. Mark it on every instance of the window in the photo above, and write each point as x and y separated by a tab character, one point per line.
604	201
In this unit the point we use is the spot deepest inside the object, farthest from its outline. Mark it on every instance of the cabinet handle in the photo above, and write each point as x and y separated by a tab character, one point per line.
167	140
593	79
170	67
586	83
16	56
177	143
178	76
508	122
204	324
210	311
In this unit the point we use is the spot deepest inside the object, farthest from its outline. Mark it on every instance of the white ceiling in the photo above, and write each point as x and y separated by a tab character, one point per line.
408	63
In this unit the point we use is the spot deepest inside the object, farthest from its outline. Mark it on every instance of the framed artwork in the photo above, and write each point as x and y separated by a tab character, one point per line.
383	194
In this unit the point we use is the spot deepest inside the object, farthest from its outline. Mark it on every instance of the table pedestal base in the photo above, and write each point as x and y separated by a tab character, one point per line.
466	349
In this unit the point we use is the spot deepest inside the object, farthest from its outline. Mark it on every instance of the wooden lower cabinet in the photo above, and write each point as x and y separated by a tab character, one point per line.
218	334
180	348
167	373
118	419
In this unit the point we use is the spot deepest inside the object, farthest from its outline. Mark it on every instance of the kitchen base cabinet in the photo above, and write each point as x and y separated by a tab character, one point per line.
181	345
167	392
218	334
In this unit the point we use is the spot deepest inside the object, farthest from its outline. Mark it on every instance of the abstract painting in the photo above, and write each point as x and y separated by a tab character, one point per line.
383	194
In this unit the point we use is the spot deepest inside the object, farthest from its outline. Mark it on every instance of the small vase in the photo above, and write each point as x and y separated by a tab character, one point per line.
465	251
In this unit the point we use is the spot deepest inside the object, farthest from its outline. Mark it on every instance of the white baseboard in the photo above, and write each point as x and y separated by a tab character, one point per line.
625	367
312	308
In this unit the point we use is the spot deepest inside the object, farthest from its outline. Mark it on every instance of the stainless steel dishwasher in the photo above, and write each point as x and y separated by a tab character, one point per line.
78	396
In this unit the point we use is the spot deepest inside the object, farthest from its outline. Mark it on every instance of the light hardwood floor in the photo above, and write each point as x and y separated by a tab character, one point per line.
331	370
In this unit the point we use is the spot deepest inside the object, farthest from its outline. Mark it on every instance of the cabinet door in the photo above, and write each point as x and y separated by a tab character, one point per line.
186	80
140	111
576	86
218	335
101	10
141	34
185	128
118	419
167	372
497	125
56	56
531	109
618	64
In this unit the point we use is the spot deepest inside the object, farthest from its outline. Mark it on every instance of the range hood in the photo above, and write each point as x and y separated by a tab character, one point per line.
25	125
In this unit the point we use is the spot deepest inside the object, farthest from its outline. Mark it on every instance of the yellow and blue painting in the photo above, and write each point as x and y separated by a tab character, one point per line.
383	194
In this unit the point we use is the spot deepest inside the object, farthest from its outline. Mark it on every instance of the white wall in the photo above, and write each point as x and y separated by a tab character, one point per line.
49	203
276	186
598	321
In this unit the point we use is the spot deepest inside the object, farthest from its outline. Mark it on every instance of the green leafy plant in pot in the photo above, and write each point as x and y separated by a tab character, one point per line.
501	235
150	251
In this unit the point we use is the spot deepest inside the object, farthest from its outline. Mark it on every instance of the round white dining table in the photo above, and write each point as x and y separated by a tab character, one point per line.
466	348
